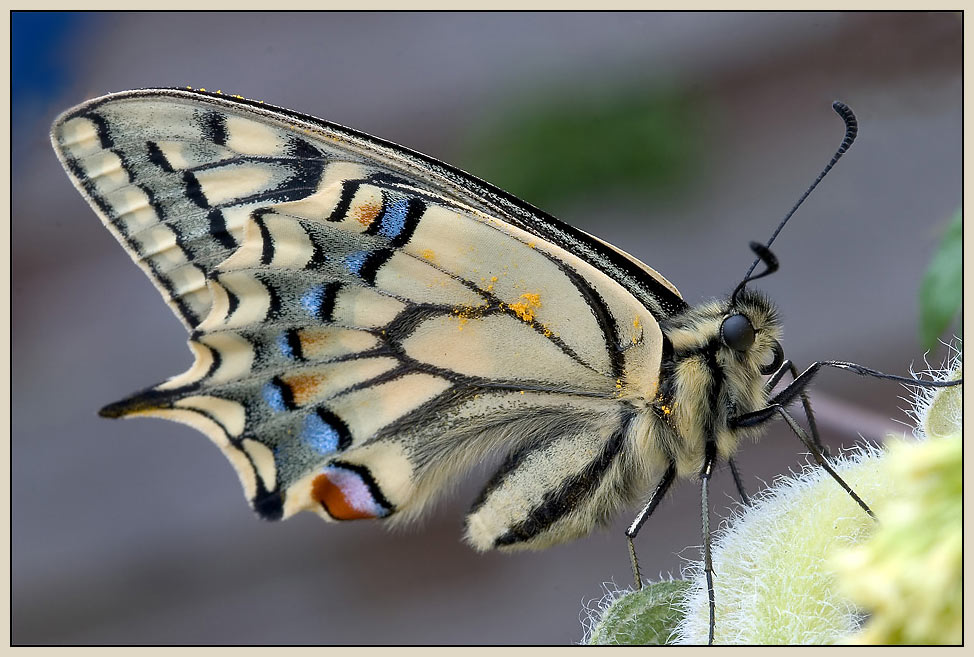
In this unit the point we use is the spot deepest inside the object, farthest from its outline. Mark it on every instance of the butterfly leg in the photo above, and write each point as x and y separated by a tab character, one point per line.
637	523
818	456
708	566
745	499
786	367
797	387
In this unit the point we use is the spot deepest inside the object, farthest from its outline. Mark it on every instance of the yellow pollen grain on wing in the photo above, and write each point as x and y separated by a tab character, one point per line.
532	245
428	254
525	309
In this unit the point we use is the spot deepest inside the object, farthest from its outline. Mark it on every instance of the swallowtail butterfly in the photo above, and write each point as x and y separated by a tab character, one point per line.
368	323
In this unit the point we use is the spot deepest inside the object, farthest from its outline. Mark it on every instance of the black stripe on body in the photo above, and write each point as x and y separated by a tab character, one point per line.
716	386
573	493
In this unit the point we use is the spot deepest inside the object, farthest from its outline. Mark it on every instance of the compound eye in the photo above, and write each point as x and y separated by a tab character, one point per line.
737	333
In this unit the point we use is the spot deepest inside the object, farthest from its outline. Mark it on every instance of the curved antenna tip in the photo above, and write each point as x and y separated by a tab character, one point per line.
851	126
851	130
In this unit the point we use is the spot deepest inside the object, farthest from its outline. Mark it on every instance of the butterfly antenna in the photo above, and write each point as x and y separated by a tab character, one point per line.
851	130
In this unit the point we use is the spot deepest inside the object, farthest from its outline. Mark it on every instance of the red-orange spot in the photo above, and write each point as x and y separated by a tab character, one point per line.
325	492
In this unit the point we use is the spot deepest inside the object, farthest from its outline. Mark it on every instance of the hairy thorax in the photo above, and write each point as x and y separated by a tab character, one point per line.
703	383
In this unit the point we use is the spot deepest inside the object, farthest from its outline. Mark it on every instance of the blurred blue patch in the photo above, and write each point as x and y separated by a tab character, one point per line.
39	70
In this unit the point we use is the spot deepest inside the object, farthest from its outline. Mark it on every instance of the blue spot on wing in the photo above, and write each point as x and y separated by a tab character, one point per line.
320	436
284	345
394	219
274	397
354	261
312	299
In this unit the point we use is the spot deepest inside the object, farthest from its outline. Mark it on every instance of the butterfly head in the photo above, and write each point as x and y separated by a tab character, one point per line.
715	359
739	334
749	332
751	327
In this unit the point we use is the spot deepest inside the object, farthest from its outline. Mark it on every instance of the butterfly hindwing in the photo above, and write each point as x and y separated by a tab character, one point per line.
367	324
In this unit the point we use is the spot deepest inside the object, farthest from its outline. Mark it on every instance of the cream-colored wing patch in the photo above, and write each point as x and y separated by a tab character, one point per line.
419	281
498	347
369	409
362	307
508	268
250	137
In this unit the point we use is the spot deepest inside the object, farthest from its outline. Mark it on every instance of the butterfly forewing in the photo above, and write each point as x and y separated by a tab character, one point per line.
367	324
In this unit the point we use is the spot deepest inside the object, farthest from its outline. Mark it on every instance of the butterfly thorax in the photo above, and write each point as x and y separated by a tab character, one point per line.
704	381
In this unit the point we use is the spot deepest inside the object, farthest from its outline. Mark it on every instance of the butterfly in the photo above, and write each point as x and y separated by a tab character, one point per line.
368	324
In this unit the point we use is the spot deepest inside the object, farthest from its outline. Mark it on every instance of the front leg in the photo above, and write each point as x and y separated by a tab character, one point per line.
708	567
796	387
637	523
789	367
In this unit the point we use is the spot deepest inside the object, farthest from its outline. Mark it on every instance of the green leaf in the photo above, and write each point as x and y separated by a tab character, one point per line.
557	147
940	292
644	617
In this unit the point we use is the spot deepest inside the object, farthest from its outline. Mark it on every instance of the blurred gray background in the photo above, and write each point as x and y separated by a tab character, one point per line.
137	532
